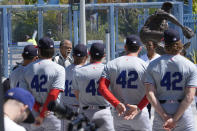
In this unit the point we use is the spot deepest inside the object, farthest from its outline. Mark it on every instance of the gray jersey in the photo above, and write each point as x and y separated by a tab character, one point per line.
86	81
171	75
126	75
43	75
68	98
16	76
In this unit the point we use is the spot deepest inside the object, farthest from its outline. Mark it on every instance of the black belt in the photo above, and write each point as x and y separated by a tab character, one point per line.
98	107
164	101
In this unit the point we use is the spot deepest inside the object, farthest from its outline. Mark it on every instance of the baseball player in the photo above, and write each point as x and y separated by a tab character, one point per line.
45	80
68	98
63	57
85	85
125	76
171	82
30	54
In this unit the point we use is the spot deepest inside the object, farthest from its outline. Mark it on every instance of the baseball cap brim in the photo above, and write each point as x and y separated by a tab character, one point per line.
30	119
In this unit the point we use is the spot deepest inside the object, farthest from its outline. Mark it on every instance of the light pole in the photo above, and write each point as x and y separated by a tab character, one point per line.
82	22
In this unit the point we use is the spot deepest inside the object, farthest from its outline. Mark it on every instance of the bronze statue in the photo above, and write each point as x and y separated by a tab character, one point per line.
156	24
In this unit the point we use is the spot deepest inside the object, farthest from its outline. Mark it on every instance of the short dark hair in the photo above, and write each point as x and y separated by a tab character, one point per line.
78	60
132	48
97	58
47	53
25	57
174	48
62	43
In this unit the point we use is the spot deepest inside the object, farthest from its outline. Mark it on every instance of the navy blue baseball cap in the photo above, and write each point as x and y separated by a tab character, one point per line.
97	49
80	50
171	36
45	43
24	97
30	51
133	40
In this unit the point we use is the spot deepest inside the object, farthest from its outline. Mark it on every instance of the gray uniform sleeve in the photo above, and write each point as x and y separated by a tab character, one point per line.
59	80
192	80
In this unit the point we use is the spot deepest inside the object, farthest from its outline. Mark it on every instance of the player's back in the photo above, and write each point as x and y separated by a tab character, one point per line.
171	74
42	76
86	78
68	97
126	75
16	76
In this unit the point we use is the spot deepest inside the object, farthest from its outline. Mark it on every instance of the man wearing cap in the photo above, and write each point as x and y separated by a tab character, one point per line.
125	77
30	54
17	109
170	84
63	57
68	98
30	40
45	79
85	85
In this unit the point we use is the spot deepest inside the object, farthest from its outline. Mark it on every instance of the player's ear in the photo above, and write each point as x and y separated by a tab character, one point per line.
139	49
125	47
104	55
35	58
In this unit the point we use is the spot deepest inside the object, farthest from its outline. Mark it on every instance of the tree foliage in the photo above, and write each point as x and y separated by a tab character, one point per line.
25	22
194	6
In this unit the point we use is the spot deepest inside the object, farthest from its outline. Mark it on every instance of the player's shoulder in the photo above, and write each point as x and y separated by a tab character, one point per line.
116	60
71	67
83	68
19	67
56	65
113	63
144	57
155	62
187	62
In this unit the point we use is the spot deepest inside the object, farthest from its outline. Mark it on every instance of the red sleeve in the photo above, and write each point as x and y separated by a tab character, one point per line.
52	96
144	102
104	91
36	106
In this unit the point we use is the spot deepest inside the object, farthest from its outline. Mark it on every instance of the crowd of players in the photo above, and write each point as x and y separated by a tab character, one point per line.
113	95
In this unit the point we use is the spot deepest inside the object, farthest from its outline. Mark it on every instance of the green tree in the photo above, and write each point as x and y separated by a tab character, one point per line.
128	21
194	6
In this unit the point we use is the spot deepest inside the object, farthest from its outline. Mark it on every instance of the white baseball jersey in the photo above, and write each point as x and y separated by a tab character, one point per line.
171	75
68	98
126	75
43	75
39	78
10	125
86	81
16	76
